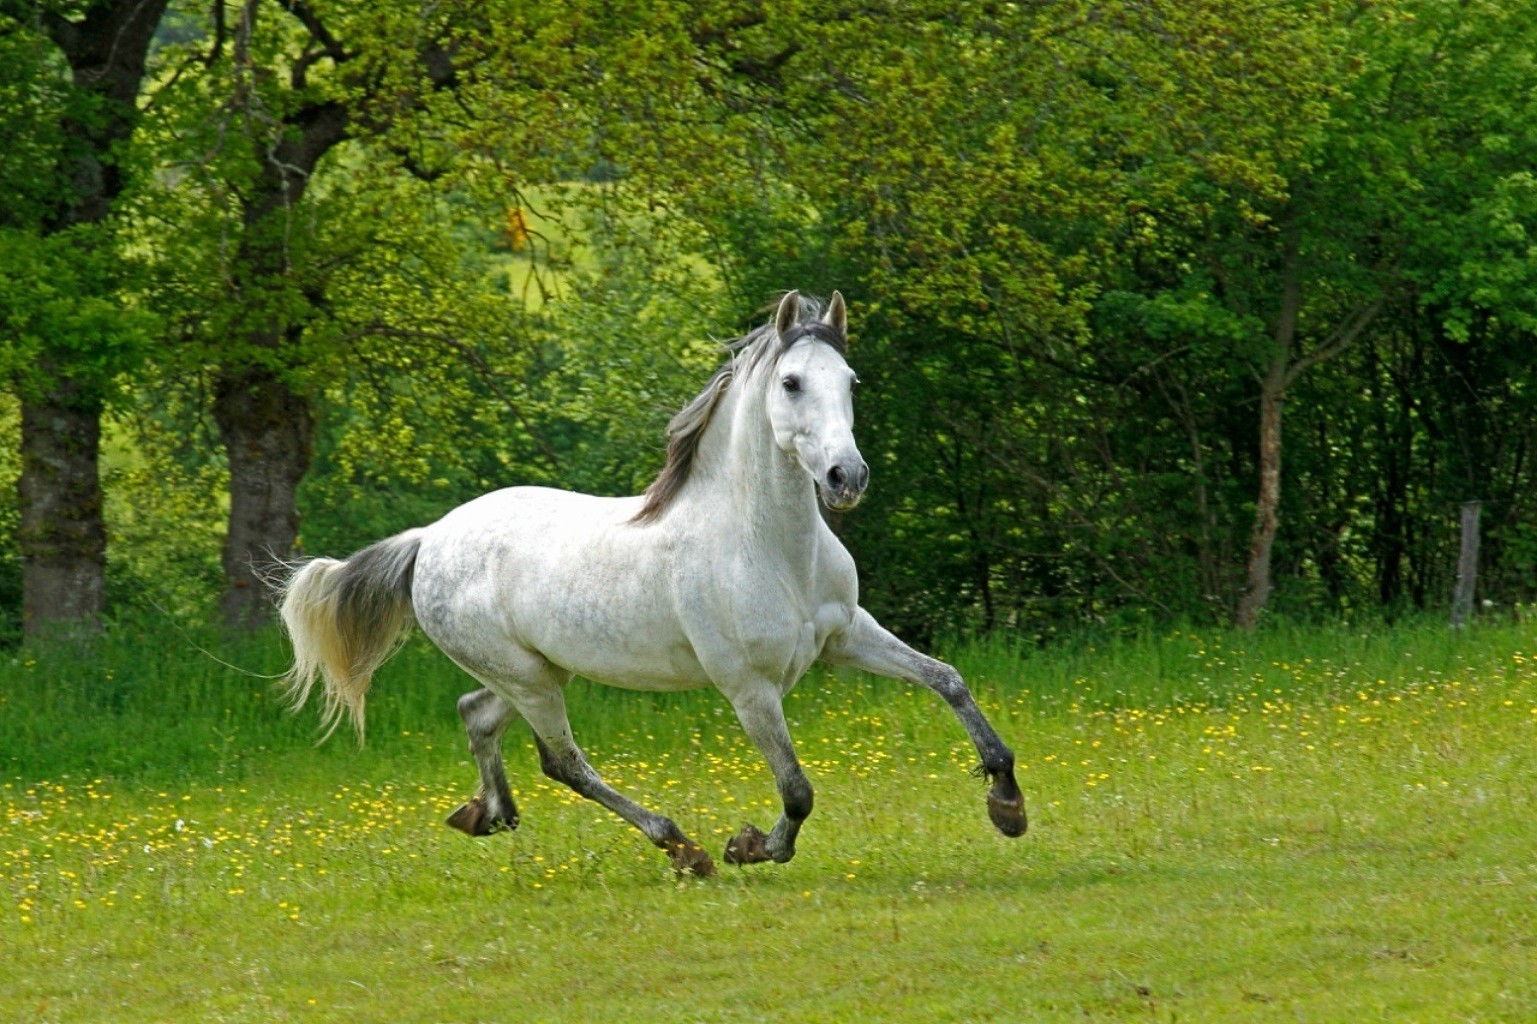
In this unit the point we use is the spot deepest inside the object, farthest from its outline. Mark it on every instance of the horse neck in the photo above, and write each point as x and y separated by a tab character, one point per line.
767	489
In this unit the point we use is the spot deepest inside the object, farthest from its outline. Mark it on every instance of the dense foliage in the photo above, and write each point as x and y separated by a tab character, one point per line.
1164	309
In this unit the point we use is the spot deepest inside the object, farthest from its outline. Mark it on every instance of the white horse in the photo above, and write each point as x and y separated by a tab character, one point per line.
722	574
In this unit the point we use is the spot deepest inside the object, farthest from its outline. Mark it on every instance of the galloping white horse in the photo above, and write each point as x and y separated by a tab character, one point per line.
723	573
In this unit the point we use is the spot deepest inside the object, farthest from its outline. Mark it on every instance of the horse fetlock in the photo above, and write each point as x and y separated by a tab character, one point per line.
798	799
781	841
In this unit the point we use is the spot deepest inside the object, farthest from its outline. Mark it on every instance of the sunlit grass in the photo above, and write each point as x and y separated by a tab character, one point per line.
1320	826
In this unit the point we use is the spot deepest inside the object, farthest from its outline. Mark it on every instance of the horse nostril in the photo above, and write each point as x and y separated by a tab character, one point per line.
864	475
835	477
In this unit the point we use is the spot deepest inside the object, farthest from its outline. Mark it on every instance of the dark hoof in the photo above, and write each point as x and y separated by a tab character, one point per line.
749	846
1008	814
473	819
690	859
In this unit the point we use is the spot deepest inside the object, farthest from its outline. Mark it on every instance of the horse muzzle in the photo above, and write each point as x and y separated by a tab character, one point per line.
844	484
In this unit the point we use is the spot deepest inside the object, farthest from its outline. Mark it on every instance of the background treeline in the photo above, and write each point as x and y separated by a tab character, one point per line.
1169	309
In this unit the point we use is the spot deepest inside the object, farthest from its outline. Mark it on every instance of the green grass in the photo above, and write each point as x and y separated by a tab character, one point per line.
1317	824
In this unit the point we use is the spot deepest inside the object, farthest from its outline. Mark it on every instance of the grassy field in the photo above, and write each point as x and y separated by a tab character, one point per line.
1314	825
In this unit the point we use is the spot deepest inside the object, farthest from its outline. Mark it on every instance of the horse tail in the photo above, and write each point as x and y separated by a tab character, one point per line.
345	619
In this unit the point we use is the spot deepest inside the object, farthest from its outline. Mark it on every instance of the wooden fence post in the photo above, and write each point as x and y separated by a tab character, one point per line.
1467	564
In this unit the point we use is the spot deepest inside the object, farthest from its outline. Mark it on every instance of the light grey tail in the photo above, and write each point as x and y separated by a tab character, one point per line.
345	619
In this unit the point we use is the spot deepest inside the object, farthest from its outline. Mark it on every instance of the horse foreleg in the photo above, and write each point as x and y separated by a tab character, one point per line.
762	716
869	646
492	809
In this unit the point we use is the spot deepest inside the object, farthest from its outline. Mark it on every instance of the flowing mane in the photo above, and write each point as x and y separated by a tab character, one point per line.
746	355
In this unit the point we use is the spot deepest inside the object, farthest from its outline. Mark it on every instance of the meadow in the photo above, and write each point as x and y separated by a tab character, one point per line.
1315	824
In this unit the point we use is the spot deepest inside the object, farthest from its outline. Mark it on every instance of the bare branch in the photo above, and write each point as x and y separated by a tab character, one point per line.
1342	338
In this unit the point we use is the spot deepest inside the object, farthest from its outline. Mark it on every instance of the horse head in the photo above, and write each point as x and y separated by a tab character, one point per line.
810	398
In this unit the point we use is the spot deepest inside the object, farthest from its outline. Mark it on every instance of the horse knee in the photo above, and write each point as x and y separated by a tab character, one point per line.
472	702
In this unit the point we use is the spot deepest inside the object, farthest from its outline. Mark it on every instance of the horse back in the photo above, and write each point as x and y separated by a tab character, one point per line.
562	574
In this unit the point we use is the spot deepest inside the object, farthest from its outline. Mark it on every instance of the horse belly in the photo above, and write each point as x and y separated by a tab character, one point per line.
608	616
634	652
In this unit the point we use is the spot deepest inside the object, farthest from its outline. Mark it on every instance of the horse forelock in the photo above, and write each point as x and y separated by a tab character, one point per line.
748	354
762	345
819	331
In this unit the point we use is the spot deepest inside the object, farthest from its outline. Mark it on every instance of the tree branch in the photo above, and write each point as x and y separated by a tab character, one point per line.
216	50
1342	338
330	45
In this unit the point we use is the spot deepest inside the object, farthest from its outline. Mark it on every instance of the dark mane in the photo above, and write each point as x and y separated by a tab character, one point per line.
747	354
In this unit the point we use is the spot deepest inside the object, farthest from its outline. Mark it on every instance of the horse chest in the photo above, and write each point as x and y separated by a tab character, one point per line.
778	618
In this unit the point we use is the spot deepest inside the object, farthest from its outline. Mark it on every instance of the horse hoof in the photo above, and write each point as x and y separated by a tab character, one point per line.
473	819
749	846
1008	814
690	859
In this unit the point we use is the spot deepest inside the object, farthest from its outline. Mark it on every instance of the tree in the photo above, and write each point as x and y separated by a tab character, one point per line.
986	175
62	313
271	95
539	94
1385	203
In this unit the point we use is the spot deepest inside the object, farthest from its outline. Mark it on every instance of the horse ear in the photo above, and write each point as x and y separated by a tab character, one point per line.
837	316
789	309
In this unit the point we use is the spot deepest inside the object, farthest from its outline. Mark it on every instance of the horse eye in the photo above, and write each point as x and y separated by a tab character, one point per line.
792	384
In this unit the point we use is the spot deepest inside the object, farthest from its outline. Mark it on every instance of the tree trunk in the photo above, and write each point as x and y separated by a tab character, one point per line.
1395	467
267	430
62	538
265	425
1267	505
1273	386
1283	371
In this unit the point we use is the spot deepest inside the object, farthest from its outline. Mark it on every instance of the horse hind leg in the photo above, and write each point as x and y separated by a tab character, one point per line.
544	708
492	809
564	762
522	681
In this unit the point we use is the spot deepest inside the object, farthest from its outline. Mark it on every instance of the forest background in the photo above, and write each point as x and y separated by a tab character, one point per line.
1166	311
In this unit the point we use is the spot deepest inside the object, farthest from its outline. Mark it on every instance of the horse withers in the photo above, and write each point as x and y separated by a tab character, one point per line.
723	573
